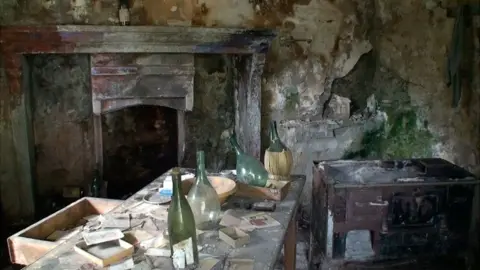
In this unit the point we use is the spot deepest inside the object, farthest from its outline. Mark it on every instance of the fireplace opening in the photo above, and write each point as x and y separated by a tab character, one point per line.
139	144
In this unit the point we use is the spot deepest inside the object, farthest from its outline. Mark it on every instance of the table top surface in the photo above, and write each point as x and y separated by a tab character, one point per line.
263	248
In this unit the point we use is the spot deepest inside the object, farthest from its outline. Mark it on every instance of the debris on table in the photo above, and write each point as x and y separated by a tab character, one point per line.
124	265
239	264
105	253
234	236
92	238
264	206
261	220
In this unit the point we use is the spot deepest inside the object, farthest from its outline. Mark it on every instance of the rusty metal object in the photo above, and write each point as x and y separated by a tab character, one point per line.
429	216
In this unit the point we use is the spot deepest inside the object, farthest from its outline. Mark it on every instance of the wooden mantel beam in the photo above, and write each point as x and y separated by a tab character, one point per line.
133	39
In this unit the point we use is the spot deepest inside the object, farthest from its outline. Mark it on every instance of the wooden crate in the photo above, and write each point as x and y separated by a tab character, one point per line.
28	245
279	194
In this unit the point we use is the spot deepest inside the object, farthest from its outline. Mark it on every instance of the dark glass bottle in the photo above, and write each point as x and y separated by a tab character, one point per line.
181	227
203	198
249	170
95	186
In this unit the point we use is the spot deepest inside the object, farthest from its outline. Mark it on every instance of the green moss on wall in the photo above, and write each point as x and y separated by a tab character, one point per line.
401	136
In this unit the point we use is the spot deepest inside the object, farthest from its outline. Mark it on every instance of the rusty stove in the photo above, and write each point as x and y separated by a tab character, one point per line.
136	65
405	208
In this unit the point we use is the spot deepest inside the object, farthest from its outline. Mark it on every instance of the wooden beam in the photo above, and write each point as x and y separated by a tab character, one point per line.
248	87
132	39
23	143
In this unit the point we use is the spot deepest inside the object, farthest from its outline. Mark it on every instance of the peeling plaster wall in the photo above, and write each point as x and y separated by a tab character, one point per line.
393	49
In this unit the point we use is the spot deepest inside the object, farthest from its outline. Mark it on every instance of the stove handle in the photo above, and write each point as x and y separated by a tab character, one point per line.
382	204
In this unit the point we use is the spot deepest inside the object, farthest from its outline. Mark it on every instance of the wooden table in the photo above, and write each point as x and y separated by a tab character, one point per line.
264	247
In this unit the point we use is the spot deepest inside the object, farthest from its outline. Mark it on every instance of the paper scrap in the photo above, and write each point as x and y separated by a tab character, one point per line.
207	263
124	265
229	220
137	236
142	266
97	237
91	217
158	252
120	221
240	264
261	220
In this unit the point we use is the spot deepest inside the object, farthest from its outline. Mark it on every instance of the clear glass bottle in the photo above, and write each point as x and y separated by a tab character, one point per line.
249	170
182	232
203	198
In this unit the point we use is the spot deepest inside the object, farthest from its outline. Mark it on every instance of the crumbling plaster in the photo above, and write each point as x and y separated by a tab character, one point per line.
408	38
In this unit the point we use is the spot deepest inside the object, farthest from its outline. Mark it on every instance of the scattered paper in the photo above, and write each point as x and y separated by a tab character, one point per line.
92	238
229	220
127	264
91	217
137	236
158	252
207	263
240	264
120	221
261	220
142	266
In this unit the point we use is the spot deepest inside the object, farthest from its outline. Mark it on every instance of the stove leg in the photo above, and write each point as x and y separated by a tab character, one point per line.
339	245
290	245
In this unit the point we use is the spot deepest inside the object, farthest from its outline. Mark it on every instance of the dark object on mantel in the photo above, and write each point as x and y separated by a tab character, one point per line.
407	208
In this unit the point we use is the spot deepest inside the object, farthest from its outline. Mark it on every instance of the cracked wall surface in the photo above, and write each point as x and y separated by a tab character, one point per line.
388	58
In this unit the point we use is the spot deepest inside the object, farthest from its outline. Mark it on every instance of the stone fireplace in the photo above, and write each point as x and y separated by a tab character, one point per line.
141	78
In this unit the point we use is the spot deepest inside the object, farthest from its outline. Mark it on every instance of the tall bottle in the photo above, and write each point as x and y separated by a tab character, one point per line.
278	158
96	185
181	227
203	198
249	170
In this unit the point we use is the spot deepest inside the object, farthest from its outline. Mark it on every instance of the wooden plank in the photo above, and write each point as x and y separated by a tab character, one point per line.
248	87
22	134
131	39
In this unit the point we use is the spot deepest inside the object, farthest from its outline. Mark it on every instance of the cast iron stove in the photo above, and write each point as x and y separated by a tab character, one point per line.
390	210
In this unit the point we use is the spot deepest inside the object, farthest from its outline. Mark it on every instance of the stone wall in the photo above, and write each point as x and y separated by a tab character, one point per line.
388	57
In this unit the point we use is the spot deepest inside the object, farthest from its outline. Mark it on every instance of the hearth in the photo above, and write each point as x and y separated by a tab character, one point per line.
143	85
135	70
371	211
139	144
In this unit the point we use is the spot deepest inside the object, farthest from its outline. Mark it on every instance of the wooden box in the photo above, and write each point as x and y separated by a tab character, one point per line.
106	253
276	194
28	245
234	236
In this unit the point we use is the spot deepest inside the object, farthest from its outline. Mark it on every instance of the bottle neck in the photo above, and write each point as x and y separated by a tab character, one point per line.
177	187
201	173
235	145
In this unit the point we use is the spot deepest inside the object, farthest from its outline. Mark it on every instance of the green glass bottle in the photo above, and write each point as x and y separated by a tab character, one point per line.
181	227
203	198
249	170
95	186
